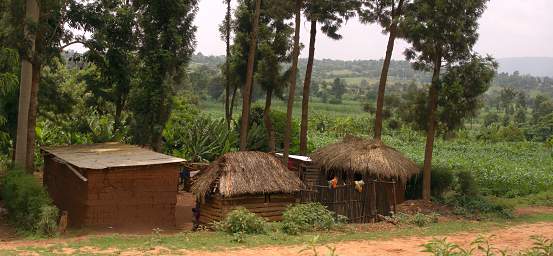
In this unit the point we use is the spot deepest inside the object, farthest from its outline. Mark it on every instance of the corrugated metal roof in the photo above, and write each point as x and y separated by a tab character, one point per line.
109	155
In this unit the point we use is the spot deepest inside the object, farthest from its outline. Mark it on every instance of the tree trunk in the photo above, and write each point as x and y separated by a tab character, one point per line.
25	88
268	122
232	100
117	116
249	80
292	91
384	74
431	129
228	111
306	87
33	109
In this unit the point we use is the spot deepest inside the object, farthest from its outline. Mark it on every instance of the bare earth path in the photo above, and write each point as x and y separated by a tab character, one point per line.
513	239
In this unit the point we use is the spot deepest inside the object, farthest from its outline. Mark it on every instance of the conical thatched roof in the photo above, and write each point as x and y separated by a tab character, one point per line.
366	157
246	172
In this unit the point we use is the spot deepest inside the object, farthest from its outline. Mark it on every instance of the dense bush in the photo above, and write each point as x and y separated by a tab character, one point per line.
241	221
308	217
441	181
28	204
200	139
466	184
477	206
257	135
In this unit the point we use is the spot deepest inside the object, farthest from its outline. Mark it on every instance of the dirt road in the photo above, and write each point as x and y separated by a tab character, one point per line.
512	239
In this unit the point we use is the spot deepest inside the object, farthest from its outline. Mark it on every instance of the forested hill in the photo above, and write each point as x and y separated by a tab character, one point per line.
356	72
536	66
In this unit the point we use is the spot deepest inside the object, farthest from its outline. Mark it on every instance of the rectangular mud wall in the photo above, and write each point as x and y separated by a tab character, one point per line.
139	196
68	192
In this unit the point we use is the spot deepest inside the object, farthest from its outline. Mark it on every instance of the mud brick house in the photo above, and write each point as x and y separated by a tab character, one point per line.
257	181
112	185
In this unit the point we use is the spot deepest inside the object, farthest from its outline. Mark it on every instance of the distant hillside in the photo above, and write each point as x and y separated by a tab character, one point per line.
536	66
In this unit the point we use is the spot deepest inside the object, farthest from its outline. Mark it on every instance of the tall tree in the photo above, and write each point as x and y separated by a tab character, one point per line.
246	92
167	40
331	14
273	52
111	50
439	31
226	30
387	13
293	78
41	29
26	83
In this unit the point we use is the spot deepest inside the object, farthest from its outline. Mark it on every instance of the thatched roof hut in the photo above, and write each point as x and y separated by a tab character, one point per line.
356	155
246	172
257	181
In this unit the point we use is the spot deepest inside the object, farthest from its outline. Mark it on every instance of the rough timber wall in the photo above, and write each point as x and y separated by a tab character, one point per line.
270	207
129	196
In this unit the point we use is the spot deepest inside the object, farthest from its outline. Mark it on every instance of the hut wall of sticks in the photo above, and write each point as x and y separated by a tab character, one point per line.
360	179
257	181
112	185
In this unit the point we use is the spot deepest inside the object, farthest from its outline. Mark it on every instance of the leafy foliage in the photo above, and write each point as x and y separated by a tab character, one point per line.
28	203
200	139
241	221
308	217
483	246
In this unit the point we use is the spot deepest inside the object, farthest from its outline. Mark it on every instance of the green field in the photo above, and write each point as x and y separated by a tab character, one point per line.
505	169
316	107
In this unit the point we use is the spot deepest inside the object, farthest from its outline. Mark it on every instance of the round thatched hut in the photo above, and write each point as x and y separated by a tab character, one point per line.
360	178
257	181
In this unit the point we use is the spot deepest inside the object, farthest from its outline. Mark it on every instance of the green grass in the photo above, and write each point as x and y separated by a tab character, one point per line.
505	169
211	241
316	107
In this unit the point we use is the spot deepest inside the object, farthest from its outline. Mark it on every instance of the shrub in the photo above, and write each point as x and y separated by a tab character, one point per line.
28	204
466	184
475	206
241	221
418	219
308	217
441	181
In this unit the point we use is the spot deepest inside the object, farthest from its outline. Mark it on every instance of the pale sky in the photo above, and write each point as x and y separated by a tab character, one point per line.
508	28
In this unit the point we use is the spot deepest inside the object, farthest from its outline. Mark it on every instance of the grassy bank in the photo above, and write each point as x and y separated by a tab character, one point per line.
212	241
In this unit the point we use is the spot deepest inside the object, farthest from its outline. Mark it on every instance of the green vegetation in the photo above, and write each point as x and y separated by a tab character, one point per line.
210	241
29	205
309	217
241	221
417	219
483	246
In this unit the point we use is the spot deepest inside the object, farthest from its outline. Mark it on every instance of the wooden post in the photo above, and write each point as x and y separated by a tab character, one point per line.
375	211
394	195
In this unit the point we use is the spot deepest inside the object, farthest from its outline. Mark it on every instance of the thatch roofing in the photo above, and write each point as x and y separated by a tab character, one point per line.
356	155
246	172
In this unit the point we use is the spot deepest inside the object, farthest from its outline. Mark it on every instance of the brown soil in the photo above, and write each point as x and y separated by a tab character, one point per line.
512	239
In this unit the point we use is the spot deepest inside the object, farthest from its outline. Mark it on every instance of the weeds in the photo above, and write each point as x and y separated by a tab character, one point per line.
418	219
312	247
483	246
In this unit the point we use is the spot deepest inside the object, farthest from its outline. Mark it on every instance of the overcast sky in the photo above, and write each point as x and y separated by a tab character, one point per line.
508	28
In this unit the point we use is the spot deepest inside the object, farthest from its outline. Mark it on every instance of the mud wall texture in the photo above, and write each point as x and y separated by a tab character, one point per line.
141	196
